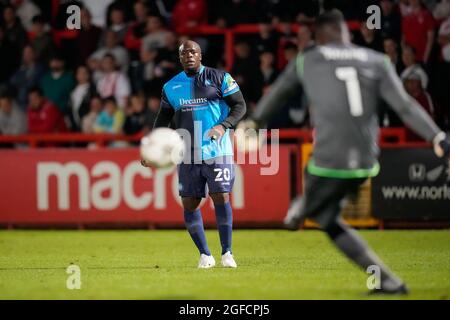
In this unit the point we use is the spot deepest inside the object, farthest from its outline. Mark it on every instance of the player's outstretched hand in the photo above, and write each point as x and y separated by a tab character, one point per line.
441	145
216	132
247	137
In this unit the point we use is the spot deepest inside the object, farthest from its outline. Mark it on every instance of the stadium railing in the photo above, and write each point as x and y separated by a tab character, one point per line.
388	136
229	35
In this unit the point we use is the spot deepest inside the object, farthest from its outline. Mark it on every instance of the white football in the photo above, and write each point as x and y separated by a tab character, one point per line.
162	148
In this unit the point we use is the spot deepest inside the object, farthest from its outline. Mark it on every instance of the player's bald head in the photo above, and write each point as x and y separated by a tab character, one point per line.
189	44
190	56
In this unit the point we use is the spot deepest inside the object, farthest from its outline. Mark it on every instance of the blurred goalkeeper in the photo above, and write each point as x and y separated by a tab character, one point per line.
343	84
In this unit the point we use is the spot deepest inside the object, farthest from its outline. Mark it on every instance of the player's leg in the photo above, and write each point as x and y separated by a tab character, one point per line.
192	190
224	219
343	236
220	179
356	249
304	206
194	223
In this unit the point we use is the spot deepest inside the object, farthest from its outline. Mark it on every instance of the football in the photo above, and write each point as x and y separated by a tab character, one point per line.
162	148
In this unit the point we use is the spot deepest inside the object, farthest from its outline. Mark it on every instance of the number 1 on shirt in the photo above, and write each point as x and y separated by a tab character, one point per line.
350	77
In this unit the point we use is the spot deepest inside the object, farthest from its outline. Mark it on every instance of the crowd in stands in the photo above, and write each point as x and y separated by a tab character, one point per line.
108	79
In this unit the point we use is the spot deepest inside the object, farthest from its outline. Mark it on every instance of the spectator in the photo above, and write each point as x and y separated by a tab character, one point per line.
112	82
268	37
368	38
244	68
136	31
111	119
80	97
304	37
411	66
391	49
135	120
391	20
387	117
442	10
144	72
156	34
443	73
57	84
88	38
162	8
12	118
111	47
10	53
168	59
98	8
225	13
42	41
404	7
444	39
413	82
287	35
117	24
88	121
418	30
28	76
26	10
156	66
294	113
289	50
306	11
266	73
14	30
189	14
43	116
153	103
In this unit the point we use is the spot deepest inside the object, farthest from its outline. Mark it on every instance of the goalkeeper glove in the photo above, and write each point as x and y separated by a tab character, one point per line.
441	144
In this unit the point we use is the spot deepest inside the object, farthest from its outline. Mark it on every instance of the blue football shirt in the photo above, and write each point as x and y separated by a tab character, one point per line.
199	105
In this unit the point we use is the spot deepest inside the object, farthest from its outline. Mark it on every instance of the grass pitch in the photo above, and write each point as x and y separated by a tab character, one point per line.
273	264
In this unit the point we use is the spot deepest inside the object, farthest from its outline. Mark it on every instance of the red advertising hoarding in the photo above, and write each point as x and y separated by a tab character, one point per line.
79	187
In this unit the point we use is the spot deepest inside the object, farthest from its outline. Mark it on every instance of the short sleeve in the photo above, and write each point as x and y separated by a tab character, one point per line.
229	85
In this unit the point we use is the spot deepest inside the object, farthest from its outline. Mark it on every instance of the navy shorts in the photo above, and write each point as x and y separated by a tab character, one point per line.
193	178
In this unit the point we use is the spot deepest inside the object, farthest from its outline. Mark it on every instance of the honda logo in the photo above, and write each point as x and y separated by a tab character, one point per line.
417	172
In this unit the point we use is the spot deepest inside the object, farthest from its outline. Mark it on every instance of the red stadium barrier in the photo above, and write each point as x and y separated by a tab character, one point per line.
107	186
37	140
78	187
388	136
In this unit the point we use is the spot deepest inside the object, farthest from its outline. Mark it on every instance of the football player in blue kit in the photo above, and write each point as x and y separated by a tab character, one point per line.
206	103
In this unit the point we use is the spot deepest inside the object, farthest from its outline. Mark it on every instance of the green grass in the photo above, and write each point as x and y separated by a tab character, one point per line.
273	264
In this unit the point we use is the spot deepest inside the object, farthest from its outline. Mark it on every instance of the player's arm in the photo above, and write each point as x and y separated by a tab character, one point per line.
165	113
238	108
287	84
409	110
235	101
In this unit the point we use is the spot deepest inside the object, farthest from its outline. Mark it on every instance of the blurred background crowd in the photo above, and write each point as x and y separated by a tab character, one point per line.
108	77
